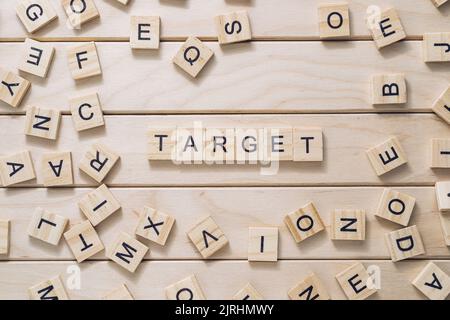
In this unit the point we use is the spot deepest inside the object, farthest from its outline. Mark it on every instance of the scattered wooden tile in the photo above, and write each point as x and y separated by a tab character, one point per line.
440	153
279	144
120	293
386	28
442	189
86	112
162	143
404	243
250	145
262	244
442	106
16	168
37	57
145	32
334	21
47	226
12	88
98	162
127	252
154	225
439	3
445	225
386	156
433	282
389	89
190	145
98	205
57	169
304	222
356	282
83	61
310	288
308	144
83	241
35	14
248	293
395	206
219	145
233	27
52	289
193	56
80	12
348	225
436	47
207	237
4	237
186	289
42	123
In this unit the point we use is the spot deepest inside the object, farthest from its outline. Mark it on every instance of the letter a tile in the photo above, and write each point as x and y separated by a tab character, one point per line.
16	168
57	169
207	237
433	282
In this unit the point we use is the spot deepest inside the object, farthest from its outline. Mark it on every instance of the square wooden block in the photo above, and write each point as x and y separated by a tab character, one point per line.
190	145
86	112
83	241
308	144
404	243
37	57
80	12
389	89
262	244
42	123
98	162
386	156
154	225
442	106
248	293
162	143
12	88
279	144
348	225
439	3
233	27
98	205
56	169
207	237
356	283
16	168
304	223
4	237
127	252
334	21
35	14
445	225
310	288
47	226
395	206
186	289
440	153
386	28
250	145
83	61
442	189
436	47
193	56
220	145
144	32
433	282
52	289
120	293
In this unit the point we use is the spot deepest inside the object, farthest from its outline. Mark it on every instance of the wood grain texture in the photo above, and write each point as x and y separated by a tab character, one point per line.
268	77
294	19
234	210
218	279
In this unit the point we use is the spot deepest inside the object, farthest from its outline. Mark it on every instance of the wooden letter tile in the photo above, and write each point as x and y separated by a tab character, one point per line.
436	47
98	162
186	289
233	27
12	88
310	288
440	153
308	144
80	12
42	123
389	89
35	14
404	243
433	282
207	237
127	252
386	156
334	21
442	106
37	57
52	289
4	237
251	145
86	112
248	293
57	169
154	225
445	225
439	3
83	241
120	293
219	145
395	206
304	223
386	28
124	2
356	282
16	168
162	143
348	225
193	56
144	32
47	226
190	145
279	144
262	244
83	61
442	189
98	205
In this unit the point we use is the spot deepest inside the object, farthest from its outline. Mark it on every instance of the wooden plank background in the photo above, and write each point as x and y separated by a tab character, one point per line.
285	77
